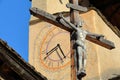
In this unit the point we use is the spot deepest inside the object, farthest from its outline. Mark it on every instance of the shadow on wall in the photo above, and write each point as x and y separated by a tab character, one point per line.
115	78
33	22
110	74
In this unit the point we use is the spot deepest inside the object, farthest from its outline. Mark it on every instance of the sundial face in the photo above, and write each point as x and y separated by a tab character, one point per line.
55	51
52	45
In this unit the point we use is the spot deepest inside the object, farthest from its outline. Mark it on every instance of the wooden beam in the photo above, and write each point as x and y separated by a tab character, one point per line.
74	18
101	42
43	15
77	7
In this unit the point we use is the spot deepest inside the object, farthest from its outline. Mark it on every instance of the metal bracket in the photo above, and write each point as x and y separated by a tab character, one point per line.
77	7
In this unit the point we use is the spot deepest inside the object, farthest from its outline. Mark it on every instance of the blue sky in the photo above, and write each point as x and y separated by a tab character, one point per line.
14	24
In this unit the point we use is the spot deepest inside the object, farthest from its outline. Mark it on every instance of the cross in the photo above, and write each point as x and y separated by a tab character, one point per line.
75	21
78	61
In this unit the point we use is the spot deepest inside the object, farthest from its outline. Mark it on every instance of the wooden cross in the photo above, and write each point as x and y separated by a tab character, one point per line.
74	18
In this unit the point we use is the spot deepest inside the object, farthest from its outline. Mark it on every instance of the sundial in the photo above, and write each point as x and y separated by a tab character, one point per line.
55	53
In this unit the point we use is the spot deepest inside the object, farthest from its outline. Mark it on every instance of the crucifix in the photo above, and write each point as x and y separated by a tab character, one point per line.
78	35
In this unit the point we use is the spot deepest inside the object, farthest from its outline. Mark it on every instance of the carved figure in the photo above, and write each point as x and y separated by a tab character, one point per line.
79	45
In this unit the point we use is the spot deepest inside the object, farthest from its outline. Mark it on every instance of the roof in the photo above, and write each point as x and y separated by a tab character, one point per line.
13	67
111	11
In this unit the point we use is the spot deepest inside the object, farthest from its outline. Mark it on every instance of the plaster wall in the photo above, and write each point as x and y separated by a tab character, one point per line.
108	59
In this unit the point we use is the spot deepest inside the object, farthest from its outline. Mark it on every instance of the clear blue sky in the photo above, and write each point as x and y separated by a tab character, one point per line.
14	24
